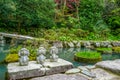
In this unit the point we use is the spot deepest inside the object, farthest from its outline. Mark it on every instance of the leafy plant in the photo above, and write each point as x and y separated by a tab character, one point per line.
12	58
90	11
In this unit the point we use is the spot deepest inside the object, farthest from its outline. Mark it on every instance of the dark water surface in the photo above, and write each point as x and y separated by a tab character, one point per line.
64	53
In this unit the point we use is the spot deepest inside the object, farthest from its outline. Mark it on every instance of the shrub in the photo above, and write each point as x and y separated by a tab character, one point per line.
11	58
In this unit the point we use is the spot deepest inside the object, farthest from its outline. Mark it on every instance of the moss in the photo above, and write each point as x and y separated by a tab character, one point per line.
89	57
11	58
104	50
116	49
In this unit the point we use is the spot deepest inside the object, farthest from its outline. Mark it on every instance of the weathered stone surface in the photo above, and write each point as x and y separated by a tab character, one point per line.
62	77
15	71
15	36
36	70
78	44
89	67
105	43
117	61
57	67
58	44
86	70
65	44
82	68
70	44
88	73
102	74
86	44
2	42
75	42
97	44
109	46
113	66
73	71
116	43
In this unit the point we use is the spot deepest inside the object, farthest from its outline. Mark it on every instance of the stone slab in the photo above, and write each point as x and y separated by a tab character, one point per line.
57	67
19	72
62	77
102	74
37	70
113	66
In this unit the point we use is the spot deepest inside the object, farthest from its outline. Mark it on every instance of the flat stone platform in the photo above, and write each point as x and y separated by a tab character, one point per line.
37	70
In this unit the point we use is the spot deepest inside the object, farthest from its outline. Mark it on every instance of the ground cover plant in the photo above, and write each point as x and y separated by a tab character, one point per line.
87	56
104	50
116	49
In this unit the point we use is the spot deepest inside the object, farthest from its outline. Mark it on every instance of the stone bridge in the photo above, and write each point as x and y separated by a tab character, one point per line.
6	38
15	36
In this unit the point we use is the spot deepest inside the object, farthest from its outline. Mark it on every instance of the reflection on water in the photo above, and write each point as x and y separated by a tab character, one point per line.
68	54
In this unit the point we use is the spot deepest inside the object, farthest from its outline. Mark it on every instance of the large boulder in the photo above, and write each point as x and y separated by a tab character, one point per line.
70	44
113	66
105	43
97	44
76	44
86	44
58	44
102	74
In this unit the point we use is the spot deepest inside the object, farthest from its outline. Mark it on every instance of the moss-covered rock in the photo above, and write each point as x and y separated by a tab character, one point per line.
104	50
116	49
88	57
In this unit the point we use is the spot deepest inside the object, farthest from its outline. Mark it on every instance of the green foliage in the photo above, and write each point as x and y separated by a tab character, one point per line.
14	50
27	13
12	58
112	15
90	12
104	49
116	49
64	38
88	56
13	54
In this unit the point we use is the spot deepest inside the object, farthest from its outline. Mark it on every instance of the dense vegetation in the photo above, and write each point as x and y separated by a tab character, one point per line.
82	19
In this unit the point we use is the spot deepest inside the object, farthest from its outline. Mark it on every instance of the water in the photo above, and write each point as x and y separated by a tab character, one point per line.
64	53
3	69
68	54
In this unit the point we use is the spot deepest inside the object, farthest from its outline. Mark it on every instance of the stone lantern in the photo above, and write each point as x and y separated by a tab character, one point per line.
23	54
